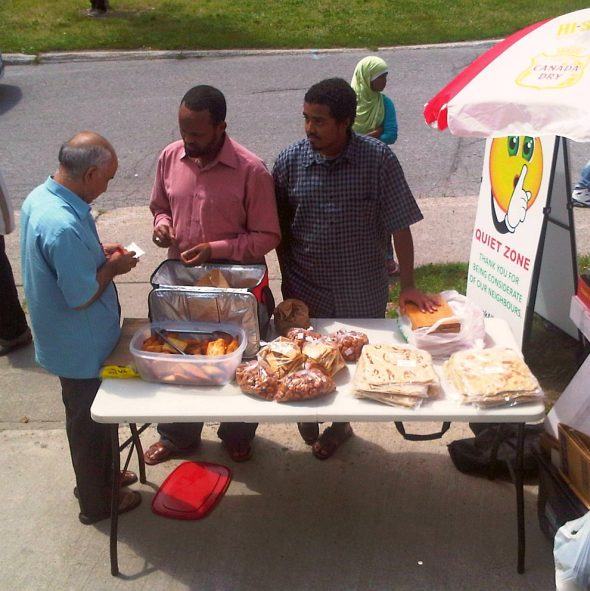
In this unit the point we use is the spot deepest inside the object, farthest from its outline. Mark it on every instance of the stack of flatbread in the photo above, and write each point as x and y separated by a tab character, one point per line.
399	375
492	377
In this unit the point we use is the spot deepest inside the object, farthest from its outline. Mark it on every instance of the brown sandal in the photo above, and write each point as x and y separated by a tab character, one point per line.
330	440
160	452
309	432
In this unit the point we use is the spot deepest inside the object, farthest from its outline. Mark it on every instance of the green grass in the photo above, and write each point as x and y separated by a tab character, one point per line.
31	26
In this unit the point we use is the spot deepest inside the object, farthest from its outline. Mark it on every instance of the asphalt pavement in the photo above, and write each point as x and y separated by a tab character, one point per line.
382	514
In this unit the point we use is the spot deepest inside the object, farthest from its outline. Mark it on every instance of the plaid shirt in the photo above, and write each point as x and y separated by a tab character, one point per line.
336	218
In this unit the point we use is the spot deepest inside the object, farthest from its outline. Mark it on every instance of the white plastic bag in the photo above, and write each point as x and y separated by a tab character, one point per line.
571	552
471	334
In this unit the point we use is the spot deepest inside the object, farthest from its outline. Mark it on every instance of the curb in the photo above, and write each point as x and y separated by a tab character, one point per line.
23	59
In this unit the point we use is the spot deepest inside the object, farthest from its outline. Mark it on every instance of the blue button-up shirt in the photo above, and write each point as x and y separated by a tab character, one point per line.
336	218
60	255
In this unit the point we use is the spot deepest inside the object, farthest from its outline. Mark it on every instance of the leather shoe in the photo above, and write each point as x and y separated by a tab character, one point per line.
128	500
160	452
127	478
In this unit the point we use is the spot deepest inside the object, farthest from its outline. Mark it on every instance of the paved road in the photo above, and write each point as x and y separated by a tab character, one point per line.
134	104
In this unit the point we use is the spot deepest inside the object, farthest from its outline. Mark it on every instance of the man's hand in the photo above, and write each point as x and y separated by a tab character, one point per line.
164	236
110	248
424	301
197	255
122	261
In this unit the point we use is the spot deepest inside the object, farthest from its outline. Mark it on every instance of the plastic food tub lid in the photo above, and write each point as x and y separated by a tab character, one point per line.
192	490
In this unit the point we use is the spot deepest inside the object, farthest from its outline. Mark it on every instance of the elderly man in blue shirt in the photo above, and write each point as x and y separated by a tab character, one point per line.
68	279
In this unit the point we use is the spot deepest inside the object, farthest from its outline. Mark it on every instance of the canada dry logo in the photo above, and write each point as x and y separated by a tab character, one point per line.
549	71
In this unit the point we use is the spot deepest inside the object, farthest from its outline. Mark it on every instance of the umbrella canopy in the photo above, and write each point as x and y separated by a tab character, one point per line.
535	82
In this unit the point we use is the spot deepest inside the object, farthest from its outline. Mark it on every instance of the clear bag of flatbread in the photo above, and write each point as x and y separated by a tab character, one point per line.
492	377
282	355
465	329
399	375
257	378
392	399
304	384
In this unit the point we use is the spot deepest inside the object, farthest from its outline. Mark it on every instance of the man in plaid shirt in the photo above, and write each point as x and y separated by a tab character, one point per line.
340	196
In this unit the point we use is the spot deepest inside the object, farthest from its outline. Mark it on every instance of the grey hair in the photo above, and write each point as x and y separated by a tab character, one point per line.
76	159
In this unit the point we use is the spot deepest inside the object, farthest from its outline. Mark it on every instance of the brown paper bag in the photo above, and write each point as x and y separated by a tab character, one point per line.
290	313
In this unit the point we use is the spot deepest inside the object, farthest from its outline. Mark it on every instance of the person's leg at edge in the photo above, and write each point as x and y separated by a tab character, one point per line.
13	323
581	192
584	180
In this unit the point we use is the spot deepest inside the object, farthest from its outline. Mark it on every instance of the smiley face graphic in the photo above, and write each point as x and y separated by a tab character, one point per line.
516	172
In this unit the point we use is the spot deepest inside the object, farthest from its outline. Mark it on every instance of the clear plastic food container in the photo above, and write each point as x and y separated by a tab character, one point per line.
195	370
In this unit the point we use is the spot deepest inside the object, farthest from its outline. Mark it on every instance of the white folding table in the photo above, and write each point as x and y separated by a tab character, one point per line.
136	401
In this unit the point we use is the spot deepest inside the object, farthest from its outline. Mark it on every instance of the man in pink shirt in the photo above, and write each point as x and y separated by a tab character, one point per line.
213	201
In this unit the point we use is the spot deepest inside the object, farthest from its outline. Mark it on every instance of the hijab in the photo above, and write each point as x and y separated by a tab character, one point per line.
370	111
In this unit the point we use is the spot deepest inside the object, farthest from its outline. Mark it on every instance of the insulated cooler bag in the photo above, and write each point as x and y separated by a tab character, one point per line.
247	302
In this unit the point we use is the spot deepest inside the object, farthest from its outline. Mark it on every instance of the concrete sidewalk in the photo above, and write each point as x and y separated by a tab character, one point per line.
382	514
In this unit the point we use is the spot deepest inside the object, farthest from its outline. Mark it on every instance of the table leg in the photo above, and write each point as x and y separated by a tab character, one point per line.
139	449
500	435
518	481
115	499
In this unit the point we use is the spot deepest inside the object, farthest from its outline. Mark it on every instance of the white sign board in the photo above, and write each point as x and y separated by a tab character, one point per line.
514	188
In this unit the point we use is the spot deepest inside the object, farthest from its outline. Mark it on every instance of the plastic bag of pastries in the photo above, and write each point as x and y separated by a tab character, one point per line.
324	352
282	355
290	313
350	343
304	384
257	378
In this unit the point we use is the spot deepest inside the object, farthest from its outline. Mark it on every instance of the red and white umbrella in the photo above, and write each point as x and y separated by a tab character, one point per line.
535	82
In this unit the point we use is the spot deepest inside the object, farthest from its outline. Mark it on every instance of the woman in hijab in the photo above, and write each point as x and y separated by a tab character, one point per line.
375	115
375	112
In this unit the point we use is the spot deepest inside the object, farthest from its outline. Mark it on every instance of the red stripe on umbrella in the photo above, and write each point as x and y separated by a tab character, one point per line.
435	110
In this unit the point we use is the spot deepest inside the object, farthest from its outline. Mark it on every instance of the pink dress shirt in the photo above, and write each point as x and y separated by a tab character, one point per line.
229	203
